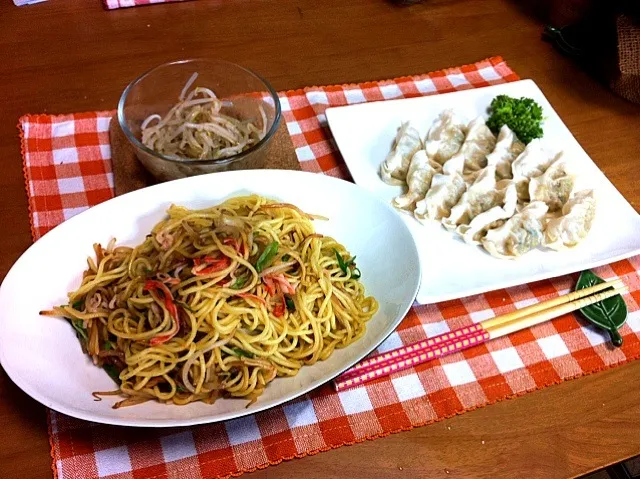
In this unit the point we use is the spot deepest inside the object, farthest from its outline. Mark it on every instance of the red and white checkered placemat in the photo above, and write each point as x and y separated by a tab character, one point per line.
113	4
67	169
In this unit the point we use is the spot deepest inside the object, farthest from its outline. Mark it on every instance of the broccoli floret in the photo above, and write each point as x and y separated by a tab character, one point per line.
522	115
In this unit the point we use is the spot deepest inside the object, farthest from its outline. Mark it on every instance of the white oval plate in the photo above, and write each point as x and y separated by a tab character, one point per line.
43	357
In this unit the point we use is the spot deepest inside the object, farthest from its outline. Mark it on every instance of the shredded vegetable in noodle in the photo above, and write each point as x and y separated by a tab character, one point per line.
217	303
196	127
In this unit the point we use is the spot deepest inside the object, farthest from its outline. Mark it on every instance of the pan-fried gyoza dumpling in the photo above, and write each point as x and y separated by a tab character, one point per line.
532	162
574	224
479	197
493	217
507	149
445	192
454	165
394	168
419	177
473	152
445	137
519	234
554	185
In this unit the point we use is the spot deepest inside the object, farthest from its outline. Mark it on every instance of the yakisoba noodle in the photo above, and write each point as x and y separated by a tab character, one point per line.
217	303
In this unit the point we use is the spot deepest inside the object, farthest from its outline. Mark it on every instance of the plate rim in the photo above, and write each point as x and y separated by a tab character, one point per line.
25	386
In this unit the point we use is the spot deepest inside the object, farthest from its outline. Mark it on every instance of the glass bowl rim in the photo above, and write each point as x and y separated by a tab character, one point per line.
205	161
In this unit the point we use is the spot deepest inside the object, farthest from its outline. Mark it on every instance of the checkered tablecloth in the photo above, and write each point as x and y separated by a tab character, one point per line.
113	4
67	169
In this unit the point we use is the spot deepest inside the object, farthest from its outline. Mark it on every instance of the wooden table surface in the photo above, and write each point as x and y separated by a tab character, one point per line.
70	55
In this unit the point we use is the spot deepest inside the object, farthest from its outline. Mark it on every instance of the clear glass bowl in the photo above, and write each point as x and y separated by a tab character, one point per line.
157	90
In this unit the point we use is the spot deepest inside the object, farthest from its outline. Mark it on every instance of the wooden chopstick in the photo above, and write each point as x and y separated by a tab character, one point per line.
503	328
534	308
463	338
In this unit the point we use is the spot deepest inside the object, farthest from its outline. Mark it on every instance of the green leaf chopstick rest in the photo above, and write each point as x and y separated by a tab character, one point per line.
609	314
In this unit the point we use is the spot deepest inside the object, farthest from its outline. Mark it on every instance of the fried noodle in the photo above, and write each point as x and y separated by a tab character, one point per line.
217	303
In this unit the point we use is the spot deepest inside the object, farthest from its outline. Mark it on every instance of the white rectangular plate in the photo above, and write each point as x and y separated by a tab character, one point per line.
365	133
